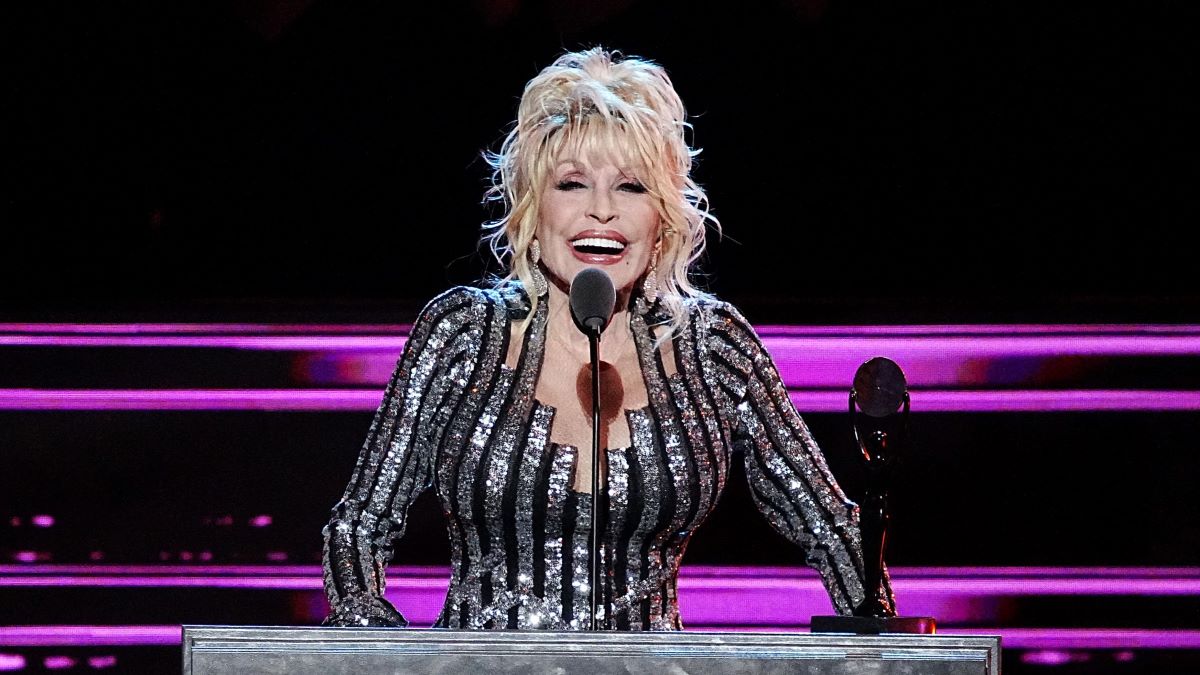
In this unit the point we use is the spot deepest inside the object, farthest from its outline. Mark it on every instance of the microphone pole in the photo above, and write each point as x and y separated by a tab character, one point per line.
593	298
594	543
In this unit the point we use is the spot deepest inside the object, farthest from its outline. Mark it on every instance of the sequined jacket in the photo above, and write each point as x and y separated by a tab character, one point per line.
455	417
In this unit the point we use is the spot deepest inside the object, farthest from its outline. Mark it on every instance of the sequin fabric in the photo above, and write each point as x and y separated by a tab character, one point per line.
455	418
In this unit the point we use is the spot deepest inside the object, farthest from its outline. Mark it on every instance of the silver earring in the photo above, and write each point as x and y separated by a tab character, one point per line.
650	284
540	286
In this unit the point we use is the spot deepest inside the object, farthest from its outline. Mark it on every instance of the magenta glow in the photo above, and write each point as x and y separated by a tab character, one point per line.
59	662
807	401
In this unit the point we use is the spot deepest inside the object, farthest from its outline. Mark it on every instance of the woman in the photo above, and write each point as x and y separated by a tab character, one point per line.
490	401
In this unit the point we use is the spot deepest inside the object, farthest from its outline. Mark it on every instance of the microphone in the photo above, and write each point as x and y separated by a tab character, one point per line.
593	298
592	301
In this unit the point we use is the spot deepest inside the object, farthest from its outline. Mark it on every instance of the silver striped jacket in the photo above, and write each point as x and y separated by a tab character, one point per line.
455	418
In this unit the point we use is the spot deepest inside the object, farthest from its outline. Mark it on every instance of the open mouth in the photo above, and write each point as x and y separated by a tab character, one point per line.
598	246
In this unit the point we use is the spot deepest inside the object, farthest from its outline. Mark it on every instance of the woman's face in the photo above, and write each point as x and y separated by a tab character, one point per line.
596	214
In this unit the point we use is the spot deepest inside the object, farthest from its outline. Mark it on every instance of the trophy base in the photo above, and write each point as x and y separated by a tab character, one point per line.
874	625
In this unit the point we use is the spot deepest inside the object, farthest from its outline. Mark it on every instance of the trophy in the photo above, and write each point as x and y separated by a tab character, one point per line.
879	407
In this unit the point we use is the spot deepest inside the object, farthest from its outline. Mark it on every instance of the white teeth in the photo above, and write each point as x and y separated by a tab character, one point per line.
597	242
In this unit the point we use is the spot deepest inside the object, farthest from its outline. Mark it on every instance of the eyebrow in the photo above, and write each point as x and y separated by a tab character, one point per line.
576	165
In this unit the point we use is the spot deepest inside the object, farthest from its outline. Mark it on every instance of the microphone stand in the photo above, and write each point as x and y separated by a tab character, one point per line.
593	334
592	299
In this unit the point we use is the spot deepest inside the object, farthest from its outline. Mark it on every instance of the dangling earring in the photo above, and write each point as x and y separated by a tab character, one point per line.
650	284
540	287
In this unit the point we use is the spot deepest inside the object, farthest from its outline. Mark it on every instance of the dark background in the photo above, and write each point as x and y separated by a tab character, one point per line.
319	162
870	161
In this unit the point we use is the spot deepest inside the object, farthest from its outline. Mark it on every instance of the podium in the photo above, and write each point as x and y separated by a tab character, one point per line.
229	650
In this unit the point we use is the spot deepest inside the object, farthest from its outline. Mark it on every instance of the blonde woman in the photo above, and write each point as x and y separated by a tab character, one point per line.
490	402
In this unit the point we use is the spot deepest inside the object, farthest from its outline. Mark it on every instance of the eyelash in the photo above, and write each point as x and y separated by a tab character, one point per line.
634	187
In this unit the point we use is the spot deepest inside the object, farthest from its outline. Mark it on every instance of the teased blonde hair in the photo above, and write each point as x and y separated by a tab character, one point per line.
600	104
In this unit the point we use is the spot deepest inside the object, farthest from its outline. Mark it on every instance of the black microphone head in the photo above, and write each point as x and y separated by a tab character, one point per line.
879	387
593	298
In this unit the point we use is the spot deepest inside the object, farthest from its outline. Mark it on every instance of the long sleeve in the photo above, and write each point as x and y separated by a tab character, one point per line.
789	479
393	467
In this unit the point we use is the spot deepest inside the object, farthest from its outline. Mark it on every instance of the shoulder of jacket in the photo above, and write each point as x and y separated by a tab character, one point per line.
460	297
713	313
456	321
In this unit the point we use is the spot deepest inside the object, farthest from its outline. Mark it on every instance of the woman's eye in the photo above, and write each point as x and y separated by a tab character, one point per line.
633	186
569	185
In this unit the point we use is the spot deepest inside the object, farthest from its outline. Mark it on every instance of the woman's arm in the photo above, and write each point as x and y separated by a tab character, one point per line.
393	467
789	480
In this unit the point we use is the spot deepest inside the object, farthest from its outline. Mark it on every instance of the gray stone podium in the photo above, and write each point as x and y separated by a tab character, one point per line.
229	650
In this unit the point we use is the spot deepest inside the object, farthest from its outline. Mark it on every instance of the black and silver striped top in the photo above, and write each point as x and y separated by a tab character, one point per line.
456	418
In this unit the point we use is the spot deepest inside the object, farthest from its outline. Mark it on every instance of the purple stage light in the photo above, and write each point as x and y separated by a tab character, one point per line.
1087	638
201	328
911	581
365	343
1046	639
714	597
968	329
102	662
806	401
403	329
1068	400
59	662
84	636
210	570
1054	657
290	400
782	341
11	662
42	520
830	367
1034	572
261	521
952	368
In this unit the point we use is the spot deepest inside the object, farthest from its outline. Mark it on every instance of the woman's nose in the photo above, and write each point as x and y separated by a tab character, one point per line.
601	209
